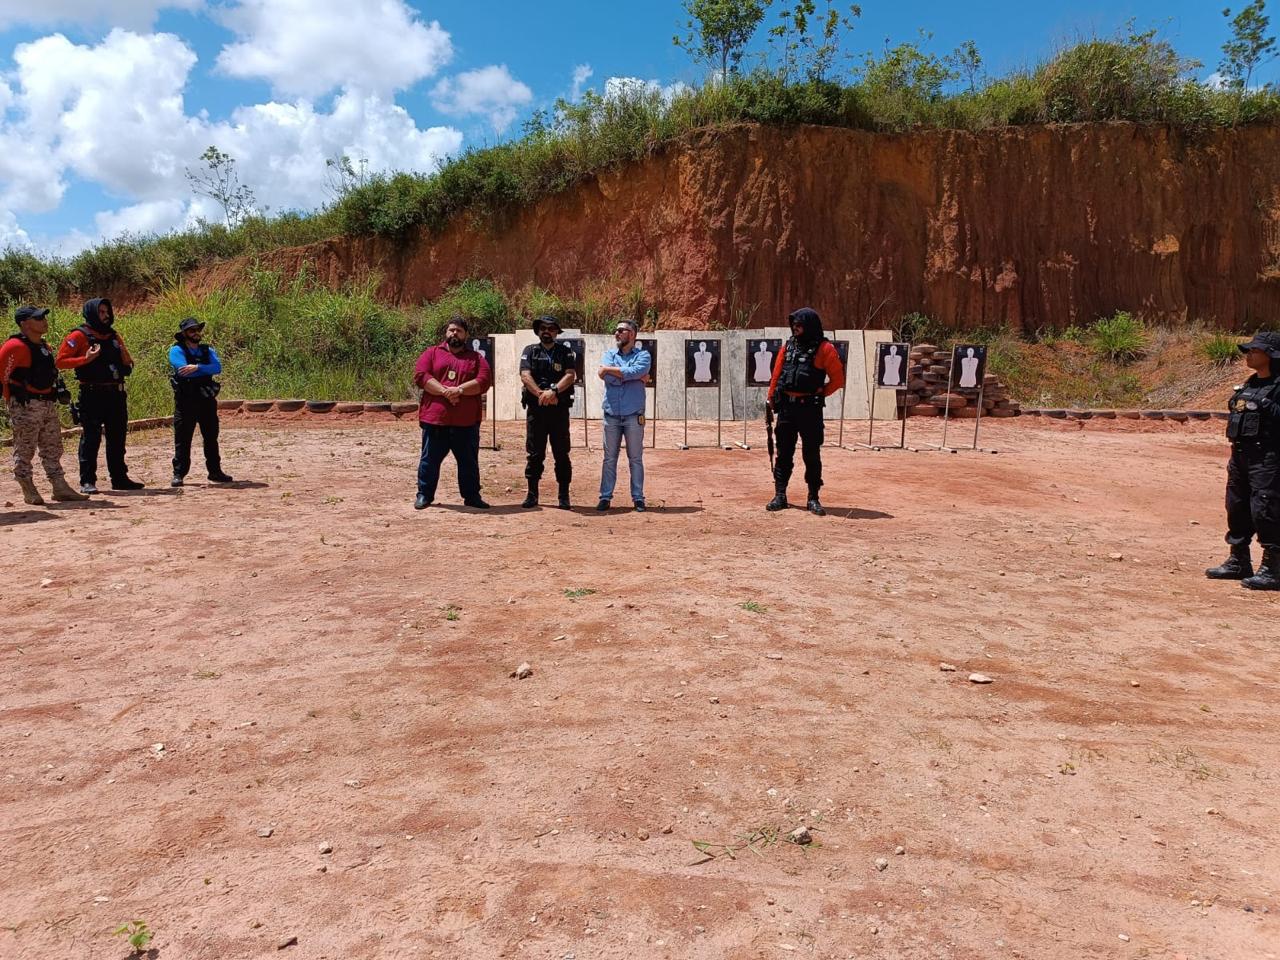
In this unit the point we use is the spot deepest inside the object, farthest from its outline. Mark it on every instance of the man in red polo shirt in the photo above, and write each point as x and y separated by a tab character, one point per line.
453	378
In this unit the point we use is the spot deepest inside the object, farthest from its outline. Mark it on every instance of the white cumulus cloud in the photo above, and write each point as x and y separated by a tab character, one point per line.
490	91
618	87
581	74
132	14
114	114
311	47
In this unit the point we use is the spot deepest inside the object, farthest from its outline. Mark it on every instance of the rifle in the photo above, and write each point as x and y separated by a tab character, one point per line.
768	429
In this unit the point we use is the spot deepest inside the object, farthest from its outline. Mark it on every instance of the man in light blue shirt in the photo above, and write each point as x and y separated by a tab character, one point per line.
625	372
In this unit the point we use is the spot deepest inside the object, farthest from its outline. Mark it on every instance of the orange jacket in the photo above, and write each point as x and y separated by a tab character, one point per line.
827	359
14	356
75	348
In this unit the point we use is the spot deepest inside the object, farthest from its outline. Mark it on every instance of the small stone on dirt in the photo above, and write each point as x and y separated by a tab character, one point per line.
1124	937
774	656
899	851
1115	556
947	667
522	672
800	835
353	784
46	582
642	834
266	832
326	847
979	678
287	942
882	864
563	636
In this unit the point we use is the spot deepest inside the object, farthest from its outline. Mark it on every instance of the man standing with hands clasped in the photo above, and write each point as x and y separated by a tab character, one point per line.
453	378
548	369
625	371
96	352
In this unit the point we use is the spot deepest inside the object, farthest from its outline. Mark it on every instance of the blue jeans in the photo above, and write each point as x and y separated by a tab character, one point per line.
438	443
615	429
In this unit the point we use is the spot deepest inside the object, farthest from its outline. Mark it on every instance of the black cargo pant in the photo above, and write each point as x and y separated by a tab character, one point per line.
802	421
103	411
543	425
190	412
1253	495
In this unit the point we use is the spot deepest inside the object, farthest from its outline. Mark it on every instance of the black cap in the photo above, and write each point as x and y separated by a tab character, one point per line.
544	320
1268	341
23	314
189	324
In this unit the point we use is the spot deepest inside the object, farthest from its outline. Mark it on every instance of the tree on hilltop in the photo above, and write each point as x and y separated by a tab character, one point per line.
1249	46
719	30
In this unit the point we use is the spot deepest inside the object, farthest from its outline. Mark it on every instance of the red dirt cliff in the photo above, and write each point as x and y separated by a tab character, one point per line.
1024	227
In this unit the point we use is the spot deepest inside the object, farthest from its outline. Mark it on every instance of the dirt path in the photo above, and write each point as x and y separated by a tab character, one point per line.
318	659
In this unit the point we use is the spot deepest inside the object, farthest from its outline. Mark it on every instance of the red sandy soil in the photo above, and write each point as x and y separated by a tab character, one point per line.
1113	793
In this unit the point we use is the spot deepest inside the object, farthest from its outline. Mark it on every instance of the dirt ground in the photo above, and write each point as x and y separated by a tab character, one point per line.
307	655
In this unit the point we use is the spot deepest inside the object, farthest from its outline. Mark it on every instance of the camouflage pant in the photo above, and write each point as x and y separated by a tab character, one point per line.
36	425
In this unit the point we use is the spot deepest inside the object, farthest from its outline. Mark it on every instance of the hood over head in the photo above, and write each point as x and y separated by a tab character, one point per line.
90	314
811	323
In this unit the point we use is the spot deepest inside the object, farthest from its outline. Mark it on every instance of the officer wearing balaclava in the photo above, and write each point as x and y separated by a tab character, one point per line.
96	352
806	372
1253	472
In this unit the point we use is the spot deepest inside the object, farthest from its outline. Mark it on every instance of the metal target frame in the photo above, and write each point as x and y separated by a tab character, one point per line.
873	384
719	385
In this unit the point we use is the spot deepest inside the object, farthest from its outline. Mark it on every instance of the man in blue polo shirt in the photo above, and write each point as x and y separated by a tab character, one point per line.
625	371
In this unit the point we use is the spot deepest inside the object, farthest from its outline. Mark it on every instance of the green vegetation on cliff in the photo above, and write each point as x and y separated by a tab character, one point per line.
1136	77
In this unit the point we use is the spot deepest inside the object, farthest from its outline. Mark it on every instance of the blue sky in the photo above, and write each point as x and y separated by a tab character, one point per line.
103	103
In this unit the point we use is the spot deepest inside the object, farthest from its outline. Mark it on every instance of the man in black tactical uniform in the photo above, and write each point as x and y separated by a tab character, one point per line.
548	370
193	366
1253	472
807	371
96	352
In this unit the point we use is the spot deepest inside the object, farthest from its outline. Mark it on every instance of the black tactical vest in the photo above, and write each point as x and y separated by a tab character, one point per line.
800	374
192	385
548	367
1248	420
108	366
41	375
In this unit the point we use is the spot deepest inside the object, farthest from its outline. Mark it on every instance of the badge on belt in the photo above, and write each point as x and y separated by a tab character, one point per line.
557	367
451	375
1251	405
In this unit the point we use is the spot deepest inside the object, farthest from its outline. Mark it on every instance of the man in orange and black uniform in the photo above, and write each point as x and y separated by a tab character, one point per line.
98	356
807	371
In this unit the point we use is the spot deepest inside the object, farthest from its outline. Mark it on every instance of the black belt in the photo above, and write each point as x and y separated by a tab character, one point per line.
101	386
811	399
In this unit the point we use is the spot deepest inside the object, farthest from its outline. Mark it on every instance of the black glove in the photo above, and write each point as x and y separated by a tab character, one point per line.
18	391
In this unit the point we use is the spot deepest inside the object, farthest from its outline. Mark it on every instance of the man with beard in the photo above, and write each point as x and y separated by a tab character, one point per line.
807	371
548	369
453	378
195	401
31	388
625	372
96	352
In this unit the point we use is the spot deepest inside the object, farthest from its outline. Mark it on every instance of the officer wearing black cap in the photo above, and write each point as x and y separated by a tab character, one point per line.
32	390
548	371
1253	472
193	366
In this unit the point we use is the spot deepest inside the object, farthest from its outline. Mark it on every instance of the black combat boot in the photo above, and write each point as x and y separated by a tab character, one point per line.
814	505
1268	575
563	502
779	501
531	498
1235	567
